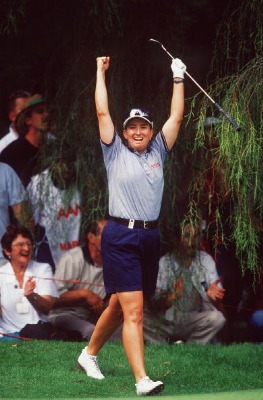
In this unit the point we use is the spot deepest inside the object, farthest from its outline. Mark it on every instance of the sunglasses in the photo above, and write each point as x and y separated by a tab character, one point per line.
39	110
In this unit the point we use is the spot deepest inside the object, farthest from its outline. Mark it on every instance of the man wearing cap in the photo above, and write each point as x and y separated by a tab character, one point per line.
31	123
130	240
16	102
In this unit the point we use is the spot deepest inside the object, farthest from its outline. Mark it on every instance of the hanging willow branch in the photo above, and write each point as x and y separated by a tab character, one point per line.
237	177
218	171
239	158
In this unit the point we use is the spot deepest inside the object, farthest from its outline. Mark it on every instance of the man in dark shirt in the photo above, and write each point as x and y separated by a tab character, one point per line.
16	102
23	154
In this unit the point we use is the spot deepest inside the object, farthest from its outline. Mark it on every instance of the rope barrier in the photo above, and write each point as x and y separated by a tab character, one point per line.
75	281
78	282
14	336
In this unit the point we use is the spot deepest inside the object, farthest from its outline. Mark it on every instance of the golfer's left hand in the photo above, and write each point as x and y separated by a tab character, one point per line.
178	68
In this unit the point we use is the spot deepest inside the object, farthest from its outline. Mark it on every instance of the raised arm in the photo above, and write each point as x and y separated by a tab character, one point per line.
106	126
172	125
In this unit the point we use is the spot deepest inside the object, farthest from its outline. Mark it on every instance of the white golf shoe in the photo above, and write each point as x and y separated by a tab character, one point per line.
147	387
89	365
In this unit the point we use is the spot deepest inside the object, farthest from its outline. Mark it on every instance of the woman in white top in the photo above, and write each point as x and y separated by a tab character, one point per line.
27	291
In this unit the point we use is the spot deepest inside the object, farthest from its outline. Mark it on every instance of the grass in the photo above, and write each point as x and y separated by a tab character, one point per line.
47	370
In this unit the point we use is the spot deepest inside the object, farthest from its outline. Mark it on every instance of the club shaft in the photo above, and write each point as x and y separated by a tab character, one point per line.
220	109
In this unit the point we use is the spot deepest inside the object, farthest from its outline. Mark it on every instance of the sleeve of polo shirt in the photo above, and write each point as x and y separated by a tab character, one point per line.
110	151
159	142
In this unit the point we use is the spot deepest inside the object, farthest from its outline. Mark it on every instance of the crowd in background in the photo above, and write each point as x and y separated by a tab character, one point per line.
51	281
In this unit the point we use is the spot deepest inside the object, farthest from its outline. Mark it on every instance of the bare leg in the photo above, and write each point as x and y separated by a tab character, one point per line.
132	333
130	304
109	321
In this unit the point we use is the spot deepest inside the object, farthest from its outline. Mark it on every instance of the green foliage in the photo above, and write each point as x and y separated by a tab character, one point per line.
11	14
238	155
239	37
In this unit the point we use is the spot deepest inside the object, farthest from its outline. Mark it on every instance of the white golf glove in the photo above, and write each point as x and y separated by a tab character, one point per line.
178	68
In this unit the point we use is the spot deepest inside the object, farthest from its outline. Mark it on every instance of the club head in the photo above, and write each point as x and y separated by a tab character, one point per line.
162	46
156	41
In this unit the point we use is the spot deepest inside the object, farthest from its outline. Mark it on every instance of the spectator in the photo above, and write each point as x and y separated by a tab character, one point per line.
27	292
23	154
187	290
79	279
15	105
12	195
55	202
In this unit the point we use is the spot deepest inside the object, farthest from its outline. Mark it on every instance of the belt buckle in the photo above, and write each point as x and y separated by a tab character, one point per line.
145	225
131	223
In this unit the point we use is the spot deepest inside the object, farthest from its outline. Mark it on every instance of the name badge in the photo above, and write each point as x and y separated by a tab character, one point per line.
22	308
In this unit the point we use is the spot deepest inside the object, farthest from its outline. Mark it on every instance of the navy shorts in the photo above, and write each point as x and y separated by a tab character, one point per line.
130	258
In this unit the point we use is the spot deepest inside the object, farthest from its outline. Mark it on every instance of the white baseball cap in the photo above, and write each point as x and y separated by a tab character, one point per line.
138	113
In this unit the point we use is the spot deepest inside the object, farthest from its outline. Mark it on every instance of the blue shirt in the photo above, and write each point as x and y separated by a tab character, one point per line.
135	180
11	192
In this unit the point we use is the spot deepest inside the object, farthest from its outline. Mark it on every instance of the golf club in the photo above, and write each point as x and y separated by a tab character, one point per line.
227	116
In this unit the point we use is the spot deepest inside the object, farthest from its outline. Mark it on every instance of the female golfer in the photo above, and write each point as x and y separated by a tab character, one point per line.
130	241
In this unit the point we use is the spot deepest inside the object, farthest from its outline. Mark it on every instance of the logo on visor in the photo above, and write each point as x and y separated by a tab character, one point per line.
138	113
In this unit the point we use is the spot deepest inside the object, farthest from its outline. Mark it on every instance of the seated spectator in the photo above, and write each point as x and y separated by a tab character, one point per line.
15	105
31	124
187	290
12	195
55	202
79	279
27	291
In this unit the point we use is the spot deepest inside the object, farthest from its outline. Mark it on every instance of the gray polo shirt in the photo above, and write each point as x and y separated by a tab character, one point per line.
135	180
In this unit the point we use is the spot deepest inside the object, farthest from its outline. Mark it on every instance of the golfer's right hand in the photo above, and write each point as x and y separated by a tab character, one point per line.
103	63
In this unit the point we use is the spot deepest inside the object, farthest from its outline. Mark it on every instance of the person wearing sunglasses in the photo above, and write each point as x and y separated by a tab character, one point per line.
130	240
27	289
31	124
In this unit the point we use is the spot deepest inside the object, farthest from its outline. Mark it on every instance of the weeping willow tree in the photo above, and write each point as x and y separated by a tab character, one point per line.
236	159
